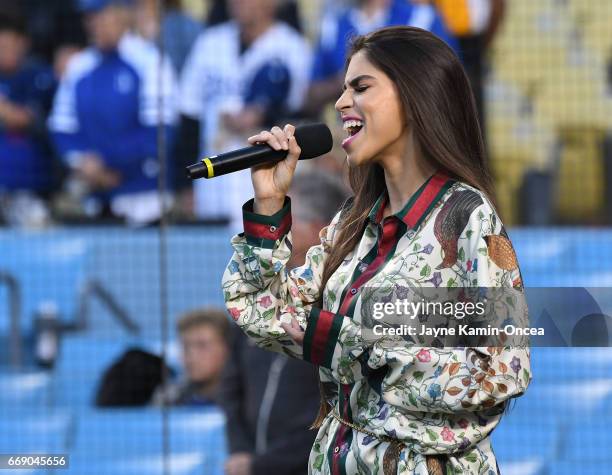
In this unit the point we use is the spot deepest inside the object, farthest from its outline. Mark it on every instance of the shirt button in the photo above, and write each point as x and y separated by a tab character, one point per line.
336	450
272	229
353	291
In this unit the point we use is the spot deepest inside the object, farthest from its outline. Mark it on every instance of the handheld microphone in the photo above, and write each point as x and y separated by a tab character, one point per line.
313	139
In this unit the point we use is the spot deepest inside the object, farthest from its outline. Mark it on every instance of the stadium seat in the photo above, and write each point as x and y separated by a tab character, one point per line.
584	467
35	431
49	267
131	441
509	441
589	439
27	389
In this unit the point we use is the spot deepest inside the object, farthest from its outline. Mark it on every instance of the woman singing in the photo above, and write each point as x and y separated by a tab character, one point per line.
422	216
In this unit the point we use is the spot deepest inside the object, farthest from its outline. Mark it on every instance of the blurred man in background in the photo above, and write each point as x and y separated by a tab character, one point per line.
340	25
204	336
178	29
241	76
271	400
474	23
106	114
26	91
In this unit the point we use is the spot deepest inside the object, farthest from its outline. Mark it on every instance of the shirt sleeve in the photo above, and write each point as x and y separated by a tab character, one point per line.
260	292
63	120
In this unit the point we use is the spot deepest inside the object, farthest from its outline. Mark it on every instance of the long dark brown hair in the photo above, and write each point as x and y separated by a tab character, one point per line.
438	103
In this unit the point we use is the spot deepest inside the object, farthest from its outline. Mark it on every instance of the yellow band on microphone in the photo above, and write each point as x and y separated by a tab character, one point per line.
209	167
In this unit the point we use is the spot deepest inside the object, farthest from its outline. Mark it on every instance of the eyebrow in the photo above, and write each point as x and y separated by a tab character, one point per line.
353	82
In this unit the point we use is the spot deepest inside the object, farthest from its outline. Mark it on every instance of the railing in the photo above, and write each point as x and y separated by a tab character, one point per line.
14	304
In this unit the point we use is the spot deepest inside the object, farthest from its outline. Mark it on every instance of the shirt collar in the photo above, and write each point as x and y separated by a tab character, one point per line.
419	204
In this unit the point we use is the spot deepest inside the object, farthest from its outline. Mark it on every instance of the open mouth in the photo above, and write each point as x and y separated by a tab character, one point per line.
352	127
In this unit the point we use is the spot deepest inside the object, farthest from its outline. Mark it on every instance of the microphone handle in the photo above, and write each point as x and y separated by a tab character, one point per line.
234	161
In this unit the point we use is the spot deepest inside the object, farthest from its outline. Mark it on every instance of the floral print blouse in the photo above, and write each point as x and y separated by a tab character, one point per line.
434	400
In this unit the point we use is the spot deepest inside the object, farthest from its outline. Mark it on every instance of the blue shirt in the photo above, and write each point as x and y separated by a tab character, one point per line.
108	103
338	28
25	161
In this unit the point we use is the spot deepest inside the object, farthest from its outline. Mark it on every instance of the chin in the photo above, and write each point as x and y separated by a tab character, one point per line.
355	160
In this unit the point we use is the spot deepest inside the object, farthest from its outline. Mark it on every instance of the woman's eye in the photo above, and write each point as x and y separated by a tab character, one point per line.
361	88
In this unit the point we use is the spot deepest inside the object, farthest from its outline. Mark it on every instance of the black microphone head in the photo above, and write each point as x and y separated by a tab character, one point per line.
314	140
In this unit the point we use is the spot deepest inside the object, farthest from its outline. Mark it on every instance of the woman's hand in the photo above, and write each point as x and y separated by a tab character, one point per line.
271	181
294	331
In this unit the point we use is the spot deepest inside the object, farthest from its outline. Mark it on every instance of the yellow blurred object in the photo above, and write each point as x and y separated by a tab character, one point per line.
456	15
575	95
517	142
197	8
580	179
594	19
533	39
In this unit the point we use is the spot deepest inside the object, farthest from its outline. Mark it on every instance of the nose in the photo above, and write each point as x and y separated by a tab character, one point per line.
344	101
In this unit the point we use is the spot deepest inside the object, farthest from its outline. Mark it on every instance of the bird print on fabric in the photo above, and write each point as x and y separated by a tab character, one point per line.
452	220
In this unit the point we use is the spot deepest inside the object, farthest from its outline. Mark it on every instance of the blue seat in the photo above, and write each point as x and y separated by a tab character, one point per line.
584	467
189	463
589	439
49	266
82	361
564	401
567	364
525	440
35	431
523	467
131	441
24	389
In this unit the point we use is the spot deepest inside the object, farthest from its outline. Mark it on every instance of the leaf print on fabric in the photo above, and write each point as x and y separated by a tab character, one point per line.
501	252
437	400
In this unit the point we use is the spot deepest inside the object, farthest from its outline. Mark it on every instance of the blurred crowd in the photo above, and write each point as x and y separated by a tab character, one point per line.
95	95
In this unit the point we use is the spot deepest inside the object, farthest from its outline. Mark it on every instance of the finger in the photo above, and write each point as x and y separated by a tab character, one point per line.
289	130
295	324
294	151
281	136
296	335
266	137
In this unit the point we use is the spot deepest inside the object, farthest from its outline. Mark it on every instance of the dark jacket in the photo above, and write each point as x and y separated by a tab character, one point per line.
270	401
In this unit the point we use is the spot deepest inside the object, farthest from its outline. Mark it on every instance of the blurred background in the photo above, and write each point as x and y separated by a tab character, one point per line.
112	347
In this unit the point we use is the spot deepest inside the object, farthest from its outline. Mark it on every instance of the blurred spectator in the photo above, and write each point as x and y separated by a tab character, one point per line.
337	28
474	23
131	379
271	400
317	197
62	57
106	114
287	11
241	76
26	91
49	24
179	30
204	336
